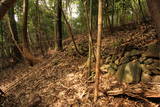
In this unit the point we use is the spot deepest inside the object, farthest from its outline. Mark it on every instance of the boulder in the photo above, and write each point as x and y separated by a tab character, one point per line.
132	53
130	72
153	69
146	77
109	68
153	50
156	79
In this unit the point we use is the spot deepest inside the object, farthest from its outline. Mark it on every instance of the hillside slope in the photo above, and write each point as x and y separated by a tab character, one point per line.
60	79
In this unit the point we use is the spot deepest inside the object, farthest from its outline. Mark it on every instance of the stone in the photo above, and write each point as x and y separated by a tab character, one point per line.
120	72
108	60
111	71
153	69
104	68
153	50
133	52
131	72
124	60
117	62
145	77
149	61
109	68
156	79
114	66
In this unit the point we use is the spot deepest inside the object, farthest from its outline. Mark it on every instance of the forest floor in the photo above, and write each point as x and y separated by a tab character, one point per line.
60	79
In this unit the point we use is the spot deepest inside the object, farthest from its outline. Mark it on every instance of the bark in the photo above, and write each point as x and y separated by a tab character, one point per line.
113	6
59	26
90	41
25	21
4	6
141	10
13	26
26	51
98	55
154	8
37	26
69	31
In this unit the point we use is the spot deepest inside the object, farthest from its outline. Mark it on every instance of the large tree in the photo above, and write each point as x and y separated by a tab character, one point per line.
13	26
59	26
154	8
4	6
26	51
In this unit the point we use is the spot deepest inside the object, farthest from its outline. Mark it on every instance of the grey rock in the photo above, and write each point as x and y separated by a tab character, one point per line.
130	72
145	77
149	61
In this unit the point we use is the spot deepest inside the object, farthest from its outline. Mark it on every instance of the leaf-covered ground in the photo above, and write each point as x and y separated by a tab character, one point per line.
59	81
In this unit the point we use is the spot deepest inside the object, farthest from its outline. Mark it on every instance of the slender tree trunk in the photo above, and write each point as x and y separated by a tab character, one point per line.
15	32
109	27
141	10
69	31
98	55
154	8
90	41
25	21
59	26
113	1
26	51
37	25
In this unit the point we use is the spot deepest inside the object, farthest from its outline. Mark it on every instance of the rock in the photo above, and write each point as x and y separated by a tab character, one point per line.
131	72
145	77
110	68
133	52
104	68
153	69
149	61
117	62
156	79
114	66
124	60
120	73
153	50
108	60
144	69
36	101
142	59
111	71
156	63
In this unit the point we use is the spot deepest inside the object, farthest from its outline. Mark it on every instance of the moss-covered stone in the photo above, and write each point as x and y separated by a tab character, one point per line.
146	77
130	72
153	50
133	52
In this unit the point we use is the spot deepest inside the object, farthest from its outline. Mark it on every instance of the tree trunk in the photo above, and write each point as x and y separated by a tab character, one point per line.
98	55
59	26
113	12
154	8
69	31
4	6
37	26
141	10
15	33
26	51
25	21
